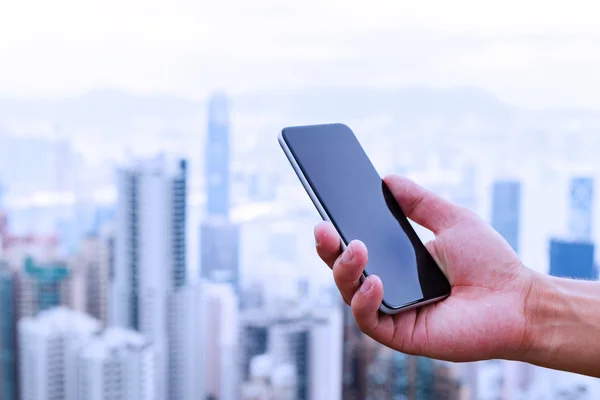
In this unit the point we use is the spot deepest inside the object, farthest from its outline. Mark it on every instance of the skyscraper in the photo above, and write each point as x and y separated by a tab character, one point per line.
326	354
94	261
217	157
219	257
117	364
45	343
581	201
355	360
219	238
220	334
254	335
506	211
8	333
572	259
150	260
186	342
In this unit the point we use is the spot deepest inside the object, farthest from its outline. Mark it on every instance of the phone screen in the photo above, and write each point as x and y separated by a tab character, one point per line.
360	206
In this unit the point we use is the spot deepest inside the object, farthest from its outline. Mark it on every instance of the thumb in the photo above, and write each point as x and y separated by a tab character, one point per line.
422	206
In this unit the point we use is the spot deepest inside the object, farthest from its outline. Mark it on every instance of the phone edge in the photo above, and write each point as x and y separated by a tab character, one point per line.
317	203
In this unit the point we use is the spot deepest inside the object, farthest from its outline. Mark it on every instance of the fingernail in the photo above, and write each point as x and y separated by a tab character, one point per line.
348	255
366	285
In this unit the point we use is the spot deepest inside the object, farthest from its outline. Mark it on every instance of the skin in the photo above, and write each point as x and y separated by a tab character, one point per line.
498	309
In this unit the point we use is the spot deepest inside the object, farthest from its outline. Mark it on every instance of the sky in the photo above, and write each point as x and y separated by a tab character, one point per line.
530	53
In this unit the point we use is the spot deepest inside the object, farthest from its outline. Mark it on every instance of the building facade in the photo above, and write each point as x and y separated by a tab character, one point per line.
581	201
8	333
116	364
506	211
45	345
150	260
572	259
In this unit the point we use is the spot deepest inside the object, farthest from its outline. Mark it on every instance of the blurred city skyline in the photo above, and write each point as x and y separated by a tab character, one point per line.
149	220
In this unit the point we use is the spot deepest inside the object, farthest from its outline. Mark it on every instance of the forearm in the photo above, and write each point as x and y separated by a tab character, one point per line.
563	325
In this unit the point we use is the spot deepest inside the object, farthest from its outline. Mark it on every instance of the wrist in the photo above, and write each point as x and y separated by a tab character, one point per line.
541	307
562	325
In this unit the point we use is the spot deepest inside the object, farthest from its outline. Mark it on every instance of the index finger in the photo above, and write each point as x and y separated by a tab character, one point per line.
328	243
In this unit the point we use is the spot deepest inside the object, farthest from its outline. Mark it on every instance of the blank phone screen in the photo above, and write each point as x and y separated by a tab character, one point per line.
360	206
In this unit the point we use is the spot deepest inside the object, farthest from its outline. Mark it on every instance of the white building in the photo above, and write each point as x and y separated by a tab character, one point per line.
186	340
45	344
326	355
220	346
118	364
302	358
149	259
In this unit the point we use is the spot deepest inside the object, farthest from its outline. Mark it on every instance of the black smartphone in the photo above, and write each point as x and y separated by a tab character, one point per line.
347	191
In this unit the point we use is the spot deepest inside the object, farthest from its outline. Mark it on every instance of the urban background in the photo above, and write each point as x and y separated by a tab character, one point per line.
155	243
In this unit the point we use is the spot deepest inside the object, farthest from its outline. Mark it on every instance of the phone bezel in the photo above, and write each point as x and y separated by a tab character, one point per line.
385	307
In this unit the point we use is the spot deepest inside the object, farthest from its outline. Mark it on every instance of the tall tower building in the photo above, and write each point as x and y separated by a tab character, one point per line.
8	333
186	343
220	333
150	260
506	211
45	345
117	364
355	360
219	238
217	157
326	355
581	202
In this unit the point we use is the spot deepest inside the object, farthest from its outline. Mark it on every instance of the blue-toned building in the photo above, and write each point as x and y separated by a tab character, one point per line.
572	259
217	157
45	282
581	200
8	333
220	257
506	211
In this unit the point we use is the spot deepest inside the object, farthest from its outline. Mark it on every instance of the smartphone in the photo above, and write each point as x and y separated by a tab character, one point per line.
348	192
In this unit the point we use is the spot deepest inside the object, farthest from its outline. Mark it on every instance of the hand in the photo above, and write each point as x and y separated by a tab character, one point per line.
485	316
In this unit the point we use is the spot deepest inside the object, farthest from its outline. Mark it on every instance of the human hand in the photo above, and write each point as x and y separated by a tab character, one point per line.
485	316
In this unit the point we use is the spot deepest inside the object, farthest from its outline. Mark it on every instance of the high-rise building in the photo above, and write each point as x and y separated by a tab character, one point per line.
217	157
8	333
117	364
293	354
506	211
43	286
93	260
581	201
355	360
572	259
395	375
326	355
219	257
253	338
46	343
219	238
150	254
311	343
220	346
186	341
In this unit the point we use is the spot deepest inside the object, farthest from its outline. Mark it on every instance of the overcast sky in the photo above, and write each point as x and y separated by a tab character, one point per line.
533	53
